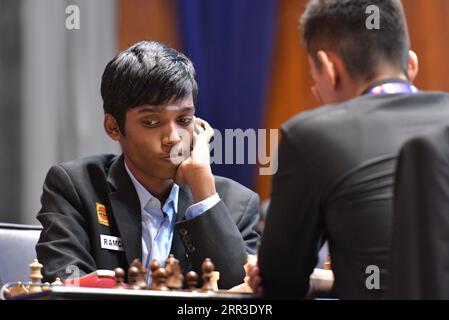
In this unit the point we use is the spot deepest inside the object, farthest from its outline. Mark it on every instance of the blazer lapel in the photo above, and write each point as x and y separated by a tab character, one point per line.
126	210
184	201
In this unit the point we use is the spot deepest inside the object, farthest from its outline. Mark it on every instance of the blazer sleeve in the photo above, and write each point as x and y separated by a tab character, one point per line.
64	240
215	235
294	227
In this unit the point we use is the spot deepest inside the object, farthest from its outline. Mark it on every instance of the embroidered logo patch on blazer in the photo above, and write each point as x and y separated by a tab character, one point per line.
101	214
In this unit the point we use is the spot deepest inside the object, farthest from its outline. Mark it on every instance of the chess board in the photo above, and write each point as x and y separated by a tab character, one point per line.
76	293
166	283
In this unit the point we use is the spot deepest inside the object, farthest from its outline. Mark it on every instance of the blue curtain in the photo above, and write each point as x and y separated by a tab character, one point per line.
231	44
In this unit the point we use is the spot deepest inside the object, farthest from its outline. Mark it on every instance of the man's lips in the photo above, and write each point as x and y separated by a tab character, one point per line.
172	159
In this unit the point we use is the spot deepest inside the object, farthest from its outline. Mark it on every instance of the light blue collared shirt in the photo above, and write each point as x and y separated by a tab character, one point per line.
158	222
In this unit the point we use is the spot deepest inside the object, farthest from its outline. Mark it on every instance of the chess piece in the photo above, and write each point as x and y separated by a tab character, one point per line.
154	265
159	278
174	275
192	281
133	277
214	280
46	286
16	290
35	276
207	268
141	278
119	278
57	282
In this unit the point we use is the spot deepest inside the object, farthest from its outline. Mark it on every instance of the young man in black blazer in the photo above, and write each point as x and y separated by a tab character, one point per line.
159	196
336	164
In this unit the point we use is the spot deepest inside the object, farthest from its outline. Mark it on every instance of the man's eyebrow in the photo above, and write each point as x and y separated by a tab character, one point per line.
179	108
159	109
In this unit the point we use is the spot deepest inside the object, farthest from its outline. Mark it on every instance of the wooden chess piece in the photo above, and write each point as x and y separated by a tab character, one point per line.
174	275
141	279
57	282
119	278
35	276
133	277
16	290
154	265
207	268
192	281
159	278
214	280
46	286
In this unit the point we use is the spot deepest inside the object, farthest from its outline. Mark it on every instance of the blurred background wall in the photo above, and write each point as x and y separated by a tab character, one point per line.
251	69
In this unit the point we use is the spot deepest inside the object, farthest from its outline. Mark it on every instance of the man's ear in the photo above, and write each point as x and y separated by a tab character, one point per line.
111	127
413	65
328	67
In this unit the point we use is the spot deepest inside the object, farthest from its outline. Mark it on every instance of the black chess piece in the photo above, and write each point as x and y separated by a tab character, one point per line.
141	279
192	281
159	277
174	276
207	268
119	278
133	277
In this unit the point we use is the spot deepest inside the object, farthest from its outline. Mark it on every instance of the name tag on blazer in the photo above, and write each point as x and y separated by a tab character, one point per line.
111	243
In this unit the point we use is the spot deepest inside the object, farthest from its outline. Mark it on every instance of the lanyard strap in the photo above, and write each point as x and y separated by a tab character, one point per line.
394	88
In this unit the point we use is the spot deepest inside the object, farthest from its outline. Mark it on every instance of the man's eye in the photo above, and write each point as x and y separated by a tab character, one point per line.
150	123
185	120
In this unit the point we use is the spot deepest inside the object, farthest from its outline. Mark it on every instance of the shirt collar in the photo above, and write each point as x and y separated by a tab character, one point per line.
145	196
384	81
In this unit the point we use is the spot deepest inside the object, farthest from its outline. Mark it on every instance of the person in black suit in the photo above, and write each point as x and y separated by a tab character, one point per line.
336	164
419	260
159	196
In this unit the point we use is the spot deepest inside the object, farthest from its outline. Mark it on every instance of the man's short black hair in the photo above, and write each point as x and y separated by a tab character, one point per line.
340	26
148	72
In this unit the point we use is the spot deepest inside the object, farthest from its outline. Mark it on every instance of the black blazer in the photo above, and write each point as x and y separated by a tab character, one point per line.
335	181
419	263
71	229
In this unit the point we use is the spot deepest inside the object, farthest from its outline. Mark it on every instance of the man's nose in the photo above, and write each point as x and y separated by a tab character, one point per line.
172	135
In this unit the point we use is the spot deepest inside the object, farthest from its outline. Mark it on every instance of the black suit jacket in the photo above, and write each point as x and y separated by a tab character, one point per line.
419	264
335	181
71	229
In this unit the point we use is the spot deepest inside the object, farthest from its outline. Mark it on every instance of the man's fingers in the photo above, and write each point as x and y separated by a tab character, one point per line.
255	280
202	127
255	283
179	177
253	271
